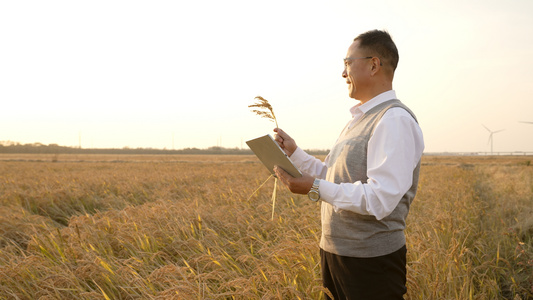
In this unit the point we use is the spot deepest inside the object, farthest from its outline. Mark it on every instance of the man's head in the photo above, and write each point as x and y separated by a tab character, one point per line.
380	44
370	64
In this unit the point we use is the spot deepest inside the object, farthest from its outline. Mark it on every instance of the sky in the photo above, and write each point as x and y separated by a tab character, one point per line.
181	74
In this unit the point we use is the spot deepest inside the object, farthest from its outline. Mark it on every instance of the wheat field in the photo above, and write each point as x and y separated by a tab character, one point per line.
188	227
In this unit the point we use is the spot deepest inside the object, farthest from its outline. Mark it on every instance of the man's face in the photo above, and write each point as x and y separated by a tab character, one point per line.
356	71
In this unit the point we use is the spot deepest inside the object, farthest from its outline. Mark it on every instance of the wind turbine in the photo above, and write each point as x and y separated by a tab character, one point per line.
490	137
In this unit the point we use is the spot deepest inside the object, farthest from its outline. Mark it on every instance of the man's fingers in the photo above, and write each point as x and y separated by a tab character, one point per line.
281	134
281	174
278	171
284	140
277	136
300	185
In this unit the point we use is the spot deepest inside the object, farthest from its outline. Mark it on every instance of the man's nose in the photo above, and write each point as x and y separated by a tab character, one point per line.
344	74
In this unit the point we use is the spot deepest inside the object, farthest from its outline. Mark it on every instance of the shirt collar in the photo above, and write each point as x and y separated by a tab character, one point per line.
363	108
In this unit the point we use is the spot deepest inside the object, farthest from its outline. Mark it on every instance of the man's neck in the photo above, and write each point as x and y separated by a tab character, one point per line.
379	89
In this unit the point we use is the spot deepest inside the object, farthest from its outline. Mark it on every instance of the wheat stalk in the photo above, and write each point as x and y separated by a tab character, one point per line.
266	111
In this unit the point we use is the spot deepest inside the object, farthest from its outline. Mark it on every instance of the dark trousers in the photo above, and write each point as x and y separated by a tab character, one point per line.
382	277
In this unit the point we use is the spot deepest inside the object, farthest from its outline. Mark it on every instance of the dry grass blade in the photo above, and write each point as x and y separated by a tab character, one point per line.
259	188
263	105
274	196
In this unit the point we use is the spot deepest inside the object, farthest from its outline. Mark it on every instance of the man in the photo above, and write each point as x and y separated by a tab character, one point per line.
368	180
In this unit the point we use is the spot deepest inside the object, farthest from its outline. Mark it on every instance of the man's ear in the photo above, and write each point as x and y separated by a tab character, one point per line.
375	65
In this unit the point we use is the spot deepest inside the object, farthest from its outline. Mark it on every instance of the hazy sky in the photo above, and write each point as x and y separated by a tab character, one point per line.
166	74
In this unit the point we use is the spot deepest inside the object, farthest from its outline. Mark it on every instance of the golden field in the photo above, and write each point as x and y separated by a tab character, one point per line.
185	227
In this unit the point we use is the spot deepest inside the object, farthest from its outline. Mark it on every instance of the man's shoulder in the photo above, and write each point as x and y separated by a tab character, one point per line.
396	109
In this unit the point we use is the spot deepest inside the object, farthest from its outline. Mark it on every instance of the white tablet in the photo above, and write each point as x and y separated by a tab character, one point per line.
270	154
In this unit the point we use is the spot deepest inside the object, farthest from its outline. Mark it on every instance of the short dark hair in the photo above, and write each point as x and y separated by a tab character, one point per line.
379	43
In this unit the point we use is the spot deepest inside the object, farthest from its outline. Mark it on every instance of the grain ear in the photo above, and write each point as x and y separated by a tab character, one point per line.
264	110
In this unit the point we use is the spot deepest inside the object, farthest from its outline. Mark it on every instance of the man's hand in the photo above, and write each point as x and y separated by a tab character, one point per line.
285	141
300	185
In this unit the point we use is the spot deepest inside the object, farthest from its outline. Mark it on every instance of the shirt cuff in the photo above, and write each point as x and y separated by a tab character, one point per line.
327	191
298	156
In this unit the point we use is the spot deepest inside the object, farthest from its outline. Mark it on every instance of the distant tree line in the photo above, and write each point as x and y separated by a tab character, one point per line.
38	148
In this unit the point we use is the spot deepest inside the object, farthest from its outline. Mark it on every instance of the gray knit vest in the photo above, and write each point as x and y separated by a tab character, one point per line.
350	234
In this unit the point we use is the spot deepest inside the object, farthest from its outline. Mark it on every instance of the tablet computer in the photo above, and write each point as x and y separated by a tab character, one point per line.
270	154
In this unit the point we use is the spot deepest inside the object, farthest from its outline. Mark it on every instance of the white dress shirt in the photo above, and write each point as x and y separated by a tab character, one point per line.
394	150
